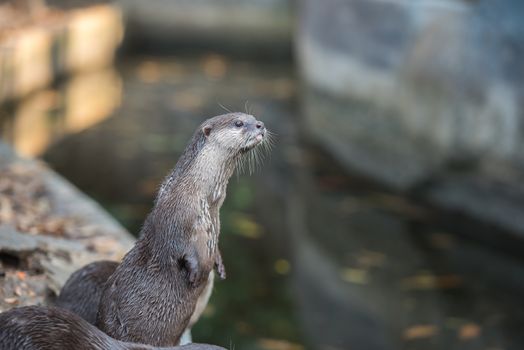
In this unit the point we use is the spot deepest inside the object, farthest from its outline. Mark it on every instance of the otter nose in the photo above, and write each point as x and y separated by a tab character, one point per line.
259	125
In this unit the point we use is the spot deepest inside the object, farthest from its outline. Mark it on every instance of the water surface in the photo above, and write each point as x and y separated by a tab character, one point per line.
317	257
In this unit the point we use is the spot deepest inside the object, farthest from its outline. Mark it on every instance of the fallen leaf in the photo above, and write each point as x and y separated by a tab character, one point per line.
278	344
367	258
353	275
419	332
247	227
425	280
282	266
469	331
12	300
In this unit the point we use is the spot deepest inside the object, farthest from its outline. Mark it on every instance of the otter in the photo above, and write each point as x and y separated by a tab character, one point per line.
83	289
163	283
52	328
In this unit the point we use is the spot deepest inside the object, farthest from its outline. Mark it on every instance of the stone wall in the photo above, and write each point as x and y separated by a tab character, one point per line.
423	95
48	229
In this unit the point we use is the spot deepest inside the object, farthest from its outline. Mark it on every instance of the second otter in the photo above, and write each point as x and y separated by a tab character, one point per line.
50	328
152	295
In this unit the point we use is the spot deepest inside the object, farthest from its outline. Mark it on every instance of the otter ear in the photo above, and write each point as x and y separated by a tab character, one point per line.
206	130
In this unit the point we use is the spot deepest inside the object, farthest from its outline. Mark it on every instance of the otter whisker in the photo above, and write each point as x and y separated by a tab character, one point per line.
224	108
260	158
270	138
253	161
239	166
254	156
268	144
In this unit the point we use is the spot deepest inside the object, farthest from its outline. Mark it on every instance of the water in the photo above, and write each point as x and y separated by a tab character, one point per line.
316	257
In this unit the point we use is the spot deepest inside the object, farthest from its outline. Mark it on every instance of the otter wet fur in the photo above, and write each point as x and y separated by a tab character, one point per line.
83	289
50	328
153	293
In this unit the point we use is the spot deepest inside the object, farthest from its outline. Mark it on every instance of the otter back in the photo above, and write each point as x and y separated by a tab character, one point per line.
50	328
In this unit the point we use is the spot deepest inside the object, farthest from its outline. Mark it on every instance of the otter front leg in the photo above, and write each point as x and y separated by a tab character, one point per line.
197	264
193	266
219	266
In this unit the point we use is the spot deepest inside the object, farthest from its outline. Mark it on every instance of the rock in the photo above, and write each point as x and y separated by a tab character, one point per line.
421	96
36	263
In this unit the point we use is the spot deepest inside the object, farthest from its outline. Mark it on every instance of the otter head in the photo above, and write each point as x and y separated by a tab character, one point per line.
235	132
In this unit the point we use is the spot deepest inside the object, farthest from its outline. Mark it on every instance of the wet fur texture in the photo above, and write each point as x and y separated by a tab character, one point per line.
50	328
82	291
153	293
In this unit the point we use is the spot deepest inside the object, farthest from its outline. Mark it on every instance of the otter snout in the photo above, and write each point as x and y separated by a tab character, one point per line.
261	130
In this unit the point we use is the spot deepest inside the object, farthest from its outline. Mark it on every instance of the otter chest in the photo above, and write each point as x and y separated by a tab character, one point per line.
209	211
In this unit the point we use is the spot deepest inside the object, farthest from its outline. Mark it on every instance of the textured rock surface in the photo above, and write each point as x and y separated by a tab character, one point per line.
39	248
421	95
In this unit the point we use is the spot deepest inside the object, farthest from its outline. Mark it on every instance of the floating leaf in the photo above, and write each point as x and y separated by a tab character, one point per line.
282	266
352	275
367	258
419	332
278	344
469	331
427	280
247	227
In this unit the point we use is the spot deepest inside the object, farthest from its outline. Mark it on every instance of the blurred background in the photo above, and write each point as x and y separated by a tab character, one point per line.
390	214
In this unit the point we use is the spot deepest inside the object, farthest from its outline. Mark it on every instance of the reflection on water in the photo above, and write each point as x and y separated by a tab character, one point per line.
34	124
389	273
316	257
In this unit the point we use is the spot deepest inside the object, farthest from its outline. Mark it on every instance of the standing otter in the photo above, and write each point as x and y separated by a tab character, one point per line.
153	293
49	328
83	289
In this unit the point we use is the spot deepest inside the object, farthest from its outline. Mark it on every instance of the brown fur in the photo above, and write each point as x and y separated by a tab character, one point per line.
152	294
50	328
82	291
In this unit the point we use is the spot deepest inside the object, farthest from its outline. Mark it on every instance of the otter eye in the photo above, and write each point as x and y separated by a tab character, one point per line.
239	123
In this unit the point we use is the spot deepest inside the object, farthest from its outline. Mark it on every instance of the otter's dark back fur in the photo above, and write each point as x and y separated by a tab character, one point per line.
82	292
51	328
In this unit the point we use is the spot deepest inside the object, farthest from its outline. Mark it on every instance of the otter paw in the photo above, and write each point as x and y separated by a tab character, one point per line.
220	268
195	274
193	278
